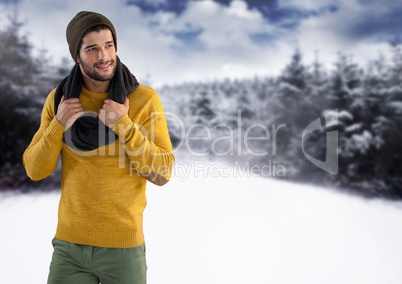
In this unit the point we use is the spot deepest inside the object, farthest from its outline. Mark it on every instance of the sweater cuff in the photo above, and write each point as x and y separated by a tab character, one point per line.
56	129
122	125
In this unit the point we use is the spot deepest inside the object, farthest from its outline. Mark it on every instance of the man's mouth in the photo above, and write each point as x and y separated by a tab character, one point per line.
105	65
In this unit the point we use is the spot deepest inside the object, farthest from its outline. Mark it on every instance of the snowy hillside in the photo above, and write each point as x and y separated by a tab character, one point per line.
230	229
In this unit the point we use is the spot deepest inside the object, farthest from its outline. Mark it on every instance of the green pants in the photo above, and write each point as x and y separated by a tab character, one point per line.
80	264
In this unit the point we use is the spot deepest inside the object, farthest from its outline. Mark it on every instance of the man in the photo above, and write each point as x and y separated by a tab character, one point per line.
113	137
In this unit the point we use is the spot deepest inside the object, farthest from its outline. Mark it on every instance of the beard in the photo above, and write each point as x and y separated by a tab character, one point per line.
91	72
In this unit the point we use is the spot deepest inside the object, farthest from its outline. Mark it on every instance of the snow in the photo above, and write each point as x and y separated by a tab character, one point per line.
395	106
356	127
203	227
345	115
362	141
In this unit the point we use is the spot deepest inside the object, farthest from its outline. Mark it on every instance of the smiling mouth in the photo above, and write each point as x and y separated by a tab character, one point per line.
103	66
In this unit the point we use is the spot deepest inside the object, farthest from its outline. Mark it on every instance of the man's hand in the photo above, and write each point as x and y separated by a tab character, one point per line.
112	112
68	111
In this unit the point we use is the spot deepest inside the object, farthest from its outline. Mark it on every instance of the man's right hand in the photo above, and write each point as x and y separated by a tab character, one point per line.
68	111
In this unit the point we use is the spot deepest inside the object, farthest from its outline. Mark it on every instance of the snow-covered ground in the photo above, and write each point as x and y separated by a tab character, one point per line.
232	228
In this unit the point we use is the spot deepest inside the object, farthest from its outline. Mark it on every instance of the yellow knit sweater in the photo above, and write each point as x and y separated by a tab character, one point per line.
102	191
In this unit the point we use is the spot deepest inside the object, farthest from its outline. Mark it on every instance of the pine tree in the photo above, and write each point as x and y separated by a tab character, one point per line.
314	105
286	108
396	62
23	88
345	79
201	107
17	76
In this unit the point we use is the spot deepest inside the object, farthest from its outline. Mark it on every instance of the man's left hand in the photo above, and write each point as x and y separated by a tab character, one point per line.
112	111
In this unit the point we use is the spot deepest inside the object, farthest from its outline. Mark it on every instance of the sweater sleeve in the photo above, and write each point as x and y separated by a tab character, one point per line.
40	158
147	145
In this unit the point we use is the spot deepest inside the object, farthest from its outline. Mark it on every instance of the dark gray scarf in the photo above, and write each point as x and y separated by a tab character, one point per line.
88	132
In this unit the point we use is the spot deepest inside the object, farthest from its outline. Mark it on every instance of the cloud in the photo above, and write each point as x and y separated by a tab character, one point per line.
225	27
358	29
305	4
354	20
376	22
176	6
176	41
227	36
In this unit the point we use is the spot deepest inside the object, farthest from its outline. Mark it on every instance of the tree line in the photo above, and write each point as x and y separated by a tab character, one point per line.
367	101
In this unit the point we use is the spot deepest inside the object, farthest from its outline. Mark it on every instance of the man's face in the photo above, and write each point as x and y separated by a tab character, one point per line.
97	55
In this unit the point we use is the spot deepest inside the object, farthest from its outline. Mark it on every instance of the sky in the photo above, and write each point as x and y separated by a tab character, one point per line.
169	42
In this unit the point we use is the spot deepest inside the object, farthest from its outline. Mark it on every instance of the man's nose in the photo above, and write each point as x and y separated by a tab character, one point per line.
102	54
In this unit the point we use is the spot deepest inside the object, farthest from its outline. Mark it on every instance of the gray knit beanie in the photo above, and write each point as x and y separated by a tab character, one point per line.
80	24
